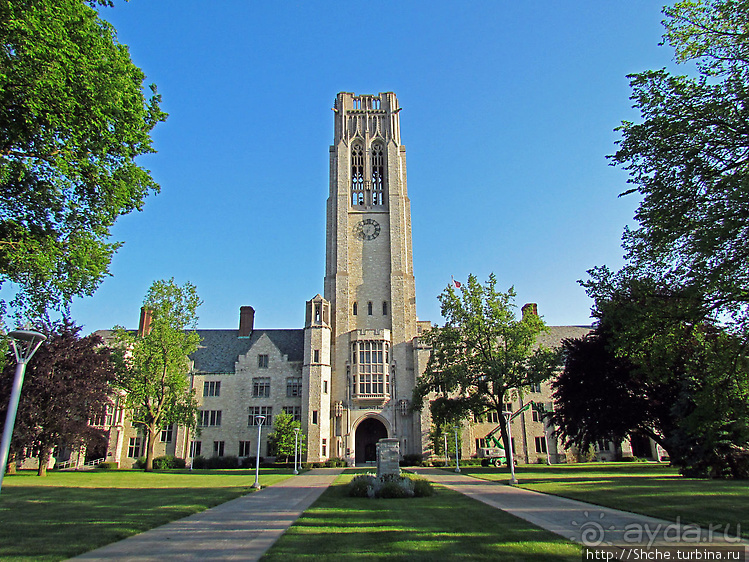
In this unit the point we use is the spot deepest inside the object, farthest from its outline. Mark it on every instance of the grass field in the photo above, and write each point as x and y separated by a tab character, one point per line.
68	513
446	526
647	488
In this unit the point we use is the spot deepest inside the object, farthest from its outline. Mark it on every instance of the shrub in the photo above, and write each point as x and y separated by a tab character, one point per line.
107	466
199	462
335	462
140	464
396	488
168	462
361	486
412	460
422	488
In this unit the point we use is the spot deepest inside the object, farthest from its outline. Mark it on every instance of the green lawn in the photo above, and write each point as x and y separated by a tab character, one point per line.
68	513
446	526
648	488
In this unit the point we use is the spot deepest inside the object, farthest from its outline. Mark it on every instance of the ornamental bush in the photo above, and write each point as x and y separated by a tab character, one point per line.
168	462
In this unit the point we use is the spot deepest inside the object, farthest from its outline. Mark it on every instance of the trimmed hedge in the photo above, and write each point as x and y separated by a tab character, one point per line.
389	486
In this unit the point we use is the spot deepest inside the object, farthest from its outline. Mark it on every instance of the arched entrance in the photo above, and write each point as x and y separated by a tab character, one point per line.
368	433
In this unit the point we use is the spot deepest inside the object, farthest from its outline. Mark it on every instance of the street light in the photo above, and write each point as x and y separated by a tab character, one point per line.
457	462
259	422
296	440
25	344
508	416
447	458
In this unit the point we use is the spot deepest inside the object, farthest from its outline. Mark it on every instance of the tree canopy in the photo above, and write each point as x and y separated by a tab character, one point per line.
155	364
689	158
482	354
282	440
73	120
67	383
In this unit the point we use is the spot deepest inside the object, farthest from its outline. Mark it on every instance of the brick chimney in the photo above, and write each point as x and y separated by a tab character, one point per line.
246	321
530	308
144	326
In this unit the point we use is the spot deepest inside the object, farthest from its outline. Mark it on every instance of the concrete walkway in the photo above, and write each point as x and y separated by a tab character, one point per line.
584	523
241	529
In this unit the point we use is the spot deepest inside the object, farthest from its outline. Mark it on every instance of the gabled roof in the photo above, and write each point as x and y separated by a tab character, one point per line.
220	349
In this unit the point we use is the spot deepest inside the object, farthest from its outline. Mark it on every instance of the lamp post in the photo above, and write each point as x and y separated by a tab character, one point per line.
259	423
447	458
457	456
25	344
511	460
296	441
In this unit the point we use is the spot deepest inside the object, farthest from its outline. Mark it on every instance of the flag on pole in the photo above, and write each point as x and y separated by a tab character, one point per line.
456	283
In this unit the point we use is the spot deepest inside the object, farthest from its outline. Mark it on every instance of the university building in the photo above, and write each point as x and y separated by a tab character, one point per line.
348	375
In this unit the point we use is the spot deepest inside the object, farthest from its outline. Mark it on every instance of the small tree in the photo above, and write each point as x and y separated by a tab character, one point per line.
155	364
66	384
482	354
282	440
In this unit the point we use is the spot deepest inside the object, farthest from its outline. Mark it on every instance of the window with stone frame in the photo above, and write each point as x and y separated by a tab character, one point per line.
134	448
167	434
218	448
209	418
245	449
266	411
540	444
262	361
294	411
357	175
378	174
261	387
195	448
371	373
212	388
293	386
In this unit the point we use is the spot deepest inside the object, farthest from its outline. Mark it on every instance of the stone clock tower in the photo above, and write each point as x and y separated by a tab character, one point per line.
369	285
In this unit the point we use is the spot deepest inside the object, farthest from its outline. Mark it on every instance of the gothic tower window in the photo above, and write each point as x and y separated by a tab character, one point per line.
378	175
371	377
369	308
356	309
357	175
384	308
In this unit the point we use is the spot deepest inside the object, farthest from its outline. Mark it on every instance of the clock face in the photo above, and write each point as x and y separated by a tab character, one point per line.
368	229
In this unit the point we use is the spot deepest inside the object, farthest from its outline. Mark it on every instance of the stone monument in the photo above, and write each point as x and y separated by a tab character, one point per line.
388	454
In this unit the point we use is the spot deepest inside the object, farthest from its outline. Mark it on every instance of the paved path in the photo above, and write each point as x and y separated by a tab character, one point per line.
582	522
241	529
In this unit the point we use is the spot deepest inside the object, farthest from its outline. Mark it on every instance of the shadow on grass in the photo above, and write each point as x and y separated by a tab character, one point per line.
54	523
445	526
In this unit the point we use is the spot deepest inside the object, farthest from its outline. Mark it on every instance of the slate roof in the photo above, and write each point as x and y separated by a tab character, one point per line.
220	349
556	334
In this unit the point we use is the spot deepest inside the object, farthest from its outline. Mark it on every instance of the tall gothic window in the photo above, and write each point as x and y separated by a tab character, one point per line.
371	360
378	175
357	175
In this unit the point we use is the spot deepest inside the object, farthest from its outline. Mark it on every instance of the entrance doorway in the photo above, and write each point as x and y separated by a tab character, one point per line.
368	433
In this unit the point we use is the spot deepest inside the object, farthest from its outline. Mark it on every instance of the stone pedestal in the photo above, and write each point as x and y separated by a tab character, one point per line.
388	455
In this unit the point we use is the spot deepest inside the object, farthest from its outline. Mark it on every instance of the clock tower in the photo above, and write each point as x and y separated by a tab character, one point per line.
369	284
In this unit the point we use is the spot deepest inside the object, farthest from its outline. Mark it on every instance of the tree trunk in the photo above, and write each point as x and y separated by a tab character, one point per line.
44	453
505	437
152	429
11	467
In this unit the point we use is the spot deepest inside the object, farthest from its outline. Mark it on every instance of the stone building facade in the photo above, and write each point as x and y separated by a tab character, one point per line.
348	375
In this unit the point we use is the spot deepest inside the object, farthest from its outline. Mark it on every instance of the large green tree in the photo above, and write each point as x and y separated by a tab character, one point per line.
73	120
283	438
688	157
660	365
66	384
482	355
156	363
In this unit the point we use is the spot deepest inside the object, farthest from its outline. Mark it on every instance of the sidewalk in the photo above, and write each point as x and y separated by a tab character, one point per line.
241	529
584	523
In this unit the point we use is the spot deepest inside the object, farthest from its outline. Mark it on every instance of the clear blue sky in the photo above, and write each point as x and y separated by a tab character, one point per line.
508	115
